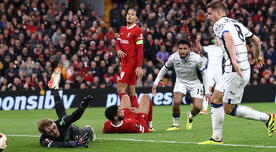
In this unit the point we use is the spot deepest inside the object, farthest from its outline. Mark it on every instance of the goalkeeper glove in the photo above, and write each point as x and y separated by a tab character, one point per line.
81	142
85	102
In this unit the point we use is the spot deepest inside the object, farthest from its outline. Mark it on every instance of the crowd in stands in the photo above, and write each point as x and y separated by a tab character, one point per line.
37	36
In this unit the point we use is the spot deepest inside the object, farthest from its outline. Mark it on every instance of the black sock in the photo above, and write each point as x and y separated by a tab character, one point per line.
176	115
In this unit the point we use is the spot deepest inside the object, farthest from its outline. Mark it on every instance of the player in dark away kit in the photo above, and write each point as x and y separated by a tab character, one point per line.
62	133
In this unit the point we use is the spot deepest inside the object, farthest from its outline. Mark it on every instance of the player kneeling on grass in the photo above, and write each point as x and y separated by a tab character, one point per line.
62	133
127	119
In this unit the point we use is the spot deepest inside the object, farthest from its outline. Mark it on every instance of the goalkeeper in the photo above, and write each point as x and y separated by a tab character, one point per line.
62	133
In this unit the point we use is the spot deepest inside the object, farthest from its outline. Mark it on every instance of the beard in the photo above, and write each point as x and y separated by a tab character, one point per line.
121	118
183	57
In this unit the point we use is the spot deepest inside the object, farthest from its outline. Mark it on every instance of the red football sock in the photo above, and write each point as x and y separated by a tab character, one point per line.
134	101
150	112
121	95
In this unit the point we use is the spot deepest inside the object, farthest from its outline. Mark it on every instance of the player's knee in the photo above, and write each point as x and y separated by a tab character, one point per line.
120	89
197	107
146	97
177	102
131	91
215	100
228	110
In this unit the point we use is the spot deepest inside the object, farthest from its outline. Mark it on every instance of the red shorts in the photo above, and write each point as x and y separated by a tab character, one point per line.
141	117
128	75
128	113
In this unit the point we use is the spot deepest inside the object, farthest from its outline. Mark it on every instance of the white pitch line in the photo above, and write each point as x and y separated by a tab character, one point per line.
164	141
24	135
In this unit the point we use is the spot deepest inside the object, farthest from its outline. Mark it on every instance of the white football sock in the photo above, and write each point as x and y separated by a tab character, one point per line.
175	121
150	124
217	116
205	104
191	116
249	113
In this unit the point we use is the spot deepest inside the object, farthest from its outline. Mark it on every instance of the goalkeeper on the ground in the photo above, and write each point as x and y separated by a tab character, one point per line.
62	133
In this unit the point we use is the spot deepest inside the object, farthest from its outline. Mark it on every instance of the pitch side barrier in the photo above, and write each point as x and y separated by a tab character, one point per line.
29	100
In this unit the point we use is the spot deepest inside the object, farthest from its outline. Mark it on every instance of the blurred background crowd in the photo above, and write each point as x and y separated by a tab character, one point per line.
36	36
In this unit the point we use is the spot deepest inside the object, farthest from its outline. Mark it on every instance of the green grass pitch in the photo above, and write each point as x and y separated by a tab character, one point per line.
237	133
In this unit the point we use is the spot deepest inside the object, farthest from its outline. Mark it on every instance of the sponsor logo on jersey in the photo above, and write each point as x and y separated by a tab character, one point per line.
124	42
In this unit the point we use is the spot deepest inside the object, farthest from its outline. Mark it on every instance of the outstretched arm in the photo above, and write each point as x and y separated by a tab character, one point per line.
81	142
160	75
50	143
77	113
198	44
257	47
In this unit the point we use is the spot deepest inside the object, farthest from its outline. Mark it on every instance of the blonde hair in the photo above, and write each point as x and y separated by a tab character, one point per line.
44	123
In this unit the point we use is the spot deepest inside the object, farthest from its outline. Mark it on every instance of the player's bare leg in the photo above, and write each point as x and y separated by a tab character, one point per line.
144	106
125	102
195	110
177	99
148	105
205	104
132	96
121	89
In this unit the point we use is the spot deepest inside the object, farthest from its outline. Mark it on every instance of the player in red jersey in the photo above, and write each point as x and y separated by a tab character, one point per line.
129	48
127	119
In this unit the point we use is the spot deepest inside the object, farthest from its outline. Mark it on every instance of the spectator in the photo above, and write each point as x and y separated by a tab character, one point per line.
111	76
89	78
162	56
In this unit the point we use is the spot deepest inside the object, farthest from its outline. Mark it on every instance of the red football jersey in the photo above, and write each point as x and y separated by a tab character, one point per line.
130	124
128	41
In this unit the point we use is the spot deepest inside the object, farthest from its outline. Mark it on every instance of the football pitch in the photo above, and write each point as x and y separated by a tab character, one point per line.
239	135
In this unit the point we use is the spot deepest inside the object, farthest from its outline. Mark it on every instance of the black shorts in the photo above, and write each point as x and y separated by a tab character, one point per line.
76	133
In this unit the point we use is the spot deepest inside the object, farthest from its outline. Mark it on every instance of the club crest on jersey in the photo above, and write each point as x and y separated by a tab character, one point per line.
128	34
219	27
140	37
